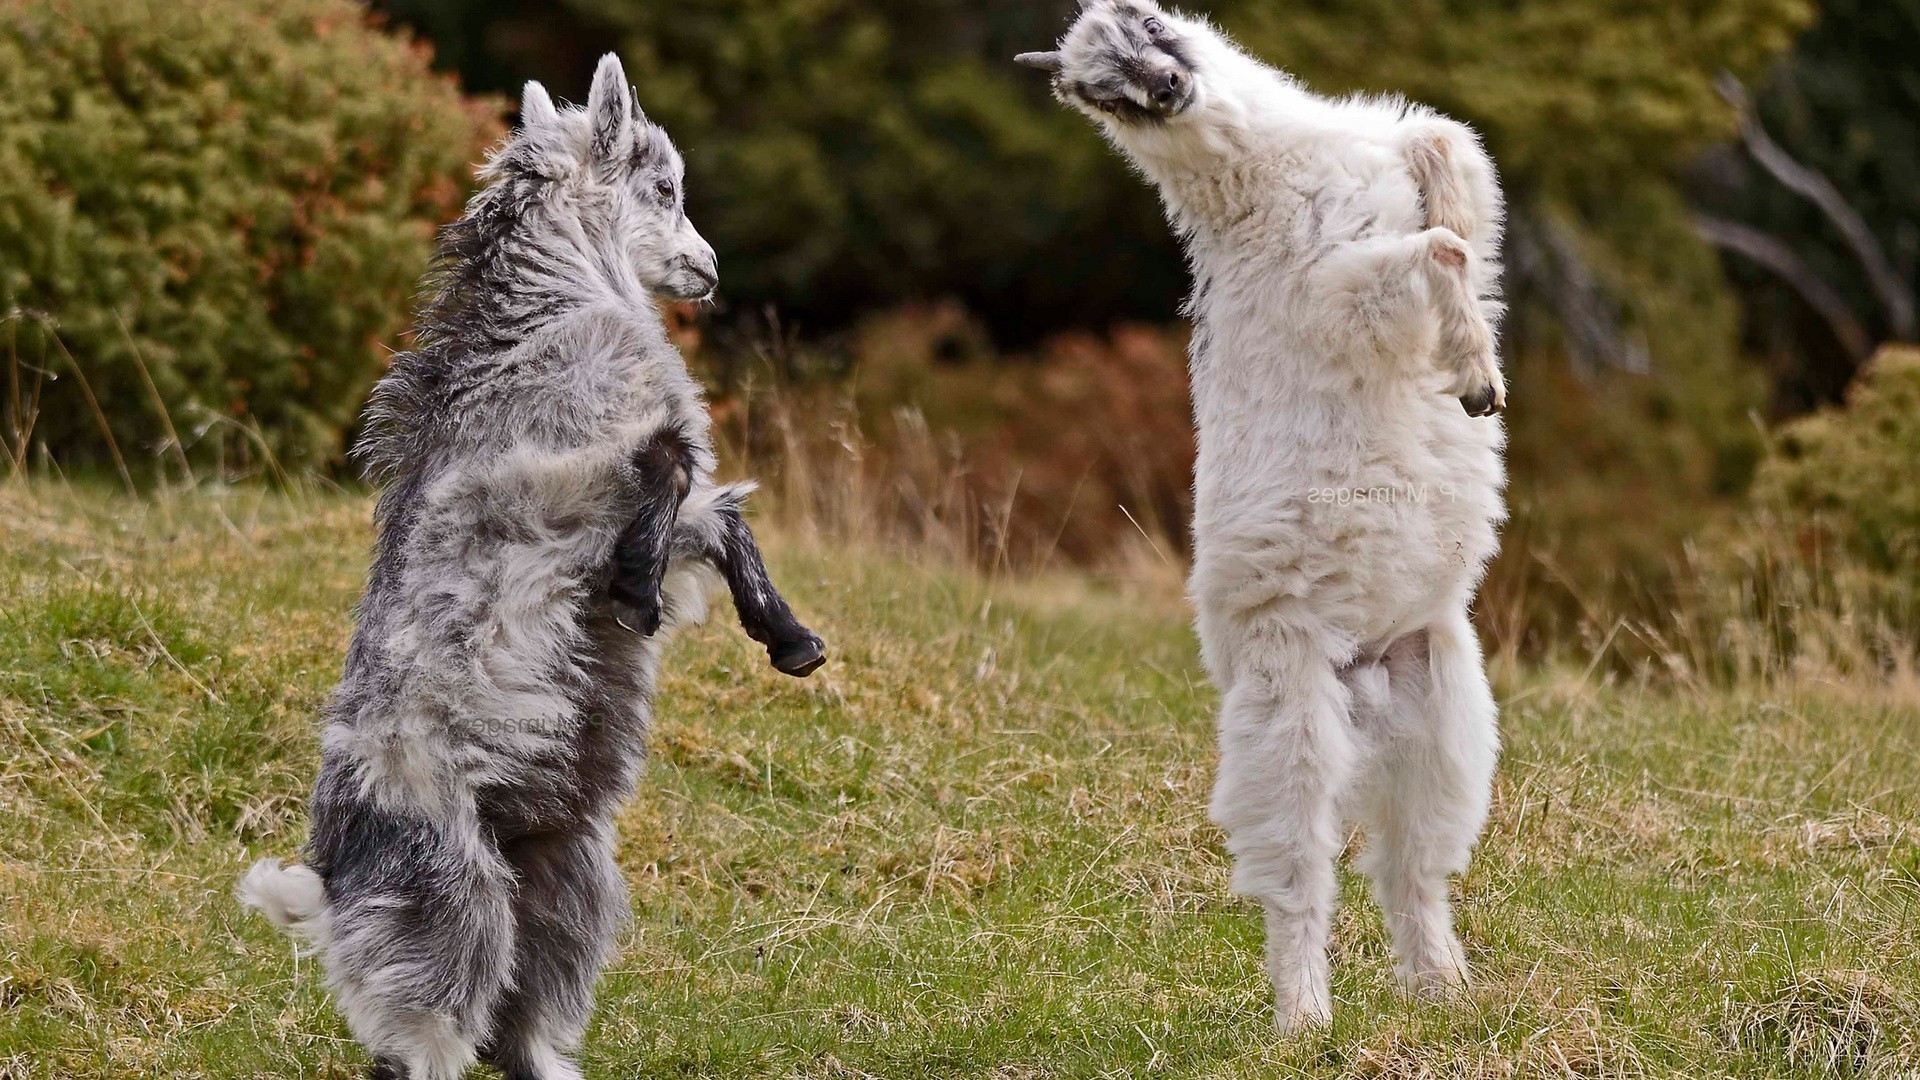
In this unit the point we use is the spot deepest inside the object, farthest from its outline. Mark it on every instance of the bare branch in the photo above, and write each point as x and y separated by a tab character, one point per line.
1786	264
1894	291
1546	254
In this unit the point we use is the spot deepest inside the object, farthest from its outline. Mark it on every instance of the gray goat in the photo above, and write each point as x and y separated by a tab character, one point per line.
548	510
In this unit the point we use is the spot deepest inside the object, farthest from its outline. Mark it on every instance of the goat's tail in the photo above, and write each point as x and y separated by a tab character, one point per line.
293	898
726	496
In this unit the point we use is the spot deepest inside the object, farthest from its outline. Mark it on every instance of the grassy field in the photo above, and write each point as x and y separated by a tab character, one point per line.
974	846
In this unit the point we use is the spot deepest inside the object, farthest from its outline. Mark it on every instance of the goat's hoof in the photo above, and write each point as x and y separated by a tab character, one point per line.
1301	1019
1436	988
637	615
1484	401
1438	976
800	657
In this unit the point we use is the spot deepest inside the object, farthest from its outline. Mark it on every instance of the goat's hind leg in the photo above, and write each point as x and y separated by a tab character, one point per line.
571	902
421	942
1286	757
724	539
1425	797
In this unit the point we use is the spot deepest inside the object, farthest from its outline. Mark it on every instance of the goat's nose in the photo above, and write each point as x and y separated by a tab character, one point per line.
704	266
1167	87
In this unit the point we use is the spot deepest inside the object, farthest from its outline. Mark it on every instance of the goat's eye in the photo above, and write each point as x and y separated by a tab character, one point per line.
1154	26
664	189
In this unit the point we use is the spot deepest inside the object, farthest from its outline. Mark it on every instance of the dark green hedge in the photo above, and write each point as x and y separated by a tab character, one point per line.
239	194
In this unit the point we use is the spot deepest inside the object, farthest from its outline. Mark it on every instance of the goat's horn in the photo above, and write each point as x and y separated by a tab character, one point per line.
1045	61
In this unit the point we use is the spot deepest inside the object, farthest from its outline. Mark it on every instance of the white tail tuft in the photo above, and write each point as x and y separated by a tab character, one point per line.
293	898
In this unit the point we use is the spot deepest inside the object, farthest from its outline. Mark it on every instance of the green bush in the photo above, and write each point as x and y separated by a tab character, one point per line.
1853	468
237	194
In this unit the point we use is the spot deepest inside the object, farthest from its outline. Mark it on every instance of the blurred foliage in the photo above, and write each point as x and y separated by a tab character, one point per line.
1853	467
1818	574
853	154
1845	102
1078	451
1579	99
237	194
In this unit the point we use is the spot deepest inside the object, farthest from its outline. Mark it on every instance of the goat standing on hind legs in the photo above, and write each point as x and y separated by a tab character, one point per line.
1347	493
548	511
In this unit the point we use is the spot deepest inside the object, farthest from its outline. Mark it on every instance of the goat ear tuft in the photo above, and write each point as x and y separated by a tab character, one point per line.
651	146
610	112
536	107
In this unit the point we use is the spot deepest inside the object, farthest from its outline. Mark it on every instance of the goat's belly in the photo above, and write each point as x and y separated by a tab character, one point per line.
1364	553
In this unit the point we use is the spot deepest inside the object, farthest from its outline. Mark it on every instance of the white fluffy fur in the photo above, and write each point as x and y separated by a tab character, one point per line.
292	898
1345	263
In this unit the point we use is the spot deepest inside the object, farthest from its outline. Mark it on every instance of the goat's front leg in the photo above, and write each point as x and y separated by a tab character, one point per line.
1461	197
1458	188
1412	295
1468	350
764	613
664	465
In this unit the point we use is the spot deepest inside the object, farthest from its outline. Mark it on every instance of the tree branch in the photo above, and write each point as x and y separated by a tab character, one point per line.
1894	292
1786	264
1546	255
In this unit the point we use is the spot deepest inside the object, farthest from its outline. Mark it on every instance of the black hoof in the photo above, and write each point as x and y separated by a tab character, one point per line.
642	618
1482	402
800	657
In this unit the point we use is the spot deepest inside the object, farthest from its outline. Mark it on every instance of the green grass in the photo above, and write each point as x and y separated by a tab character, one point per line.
974	846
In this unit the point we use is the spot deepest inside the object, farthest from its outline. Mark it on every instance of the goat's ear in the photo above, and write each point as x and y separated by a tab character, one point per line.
536	107
651	146
1045	61
610	112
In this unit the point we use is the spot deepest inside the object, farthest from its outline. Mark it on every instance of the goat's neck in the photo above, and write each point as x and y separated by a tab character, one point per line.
524	275
1228	159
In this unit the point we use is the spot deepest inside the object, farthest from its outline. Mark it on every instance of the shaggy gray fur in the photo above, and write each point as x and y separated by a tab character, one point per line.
548	507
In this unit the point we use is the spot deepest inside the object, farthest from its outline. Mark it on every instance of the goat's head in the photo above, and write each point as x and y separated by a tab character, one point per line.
619	175
1127	60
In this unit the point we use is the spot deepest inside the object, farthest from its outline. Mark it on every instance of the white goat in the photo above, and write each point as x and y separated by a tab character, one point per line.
1345	257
